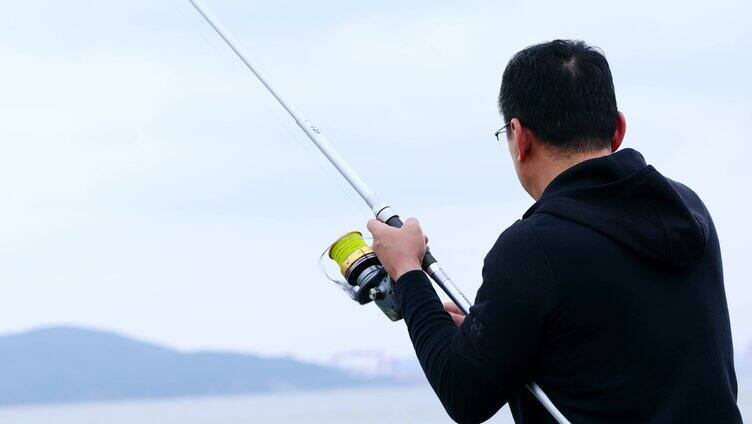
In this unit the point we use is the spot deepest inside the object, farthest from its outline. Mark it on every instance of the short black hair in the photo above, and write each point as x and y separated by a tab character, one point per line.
563	91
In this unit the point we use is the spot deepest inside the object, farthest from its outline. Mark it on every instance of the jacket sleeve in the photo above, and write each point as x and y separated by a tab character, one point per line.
476	368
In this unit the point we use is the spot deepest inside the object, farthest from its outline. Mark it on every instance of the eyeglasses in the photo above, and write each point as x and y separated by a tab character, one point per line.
502	130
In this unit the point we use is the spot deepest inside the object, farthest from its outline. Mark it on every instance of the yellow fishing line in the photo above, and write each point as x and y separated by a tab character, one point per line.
345	246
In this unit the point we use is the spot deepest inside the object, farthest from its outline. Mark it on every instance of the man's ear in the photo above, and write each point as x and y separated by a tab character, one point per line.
523	138
621	129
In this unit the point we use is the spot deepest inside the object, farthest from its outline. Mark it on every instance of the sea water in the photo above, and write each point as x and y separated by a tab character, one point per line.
413	405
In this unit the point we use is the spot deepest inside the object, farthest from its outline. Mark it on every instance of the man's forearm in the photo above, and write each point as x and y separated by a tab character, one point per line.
466	397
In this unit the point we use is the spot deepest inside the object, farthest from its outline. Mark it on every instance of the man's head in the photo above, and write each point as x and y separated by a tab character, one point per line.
558	98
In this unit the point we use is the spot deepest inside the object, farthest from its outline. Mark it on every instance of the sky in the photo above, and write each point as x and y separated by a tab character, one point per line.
150	186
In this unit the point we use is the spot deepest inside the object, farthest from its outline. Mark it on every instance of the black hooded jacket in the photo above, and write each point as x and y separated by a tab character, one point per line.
608	293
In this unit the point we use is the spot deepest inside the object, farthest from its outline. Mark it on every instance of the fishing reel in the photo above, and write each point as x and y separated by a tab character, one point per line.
366	280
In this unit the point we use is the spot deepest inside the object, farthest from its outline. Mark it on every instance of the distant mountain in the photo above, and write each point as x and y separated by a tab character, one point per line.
65	364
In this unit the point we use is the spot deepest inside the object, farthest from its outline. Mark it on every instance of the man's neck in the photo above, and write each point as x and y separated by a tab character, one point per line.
556	163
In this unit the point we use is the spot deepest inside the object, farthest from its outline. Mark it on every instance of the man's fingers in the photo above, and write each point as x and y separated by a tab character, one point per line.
412	224
374	225
457	318
452	308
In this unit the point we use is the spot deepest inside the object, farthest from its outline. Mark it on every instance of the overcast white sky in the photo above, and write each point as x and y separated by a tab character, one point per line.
150	186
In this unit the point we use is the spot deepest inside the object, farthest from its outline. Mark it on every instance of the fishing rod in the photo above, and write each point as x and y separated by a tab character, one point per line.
366	278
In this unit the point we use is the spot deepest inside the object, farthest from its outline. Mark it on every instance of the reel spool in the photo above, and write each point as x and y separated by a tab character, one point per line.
366	279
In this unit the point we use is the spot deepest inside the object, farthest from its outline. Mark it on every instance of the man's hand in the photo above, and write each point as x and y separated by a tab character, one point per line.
454	311
400	250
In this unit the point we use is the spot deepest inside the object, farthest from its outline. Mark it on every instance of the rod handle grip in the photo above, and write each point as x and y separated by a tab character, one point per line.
428	259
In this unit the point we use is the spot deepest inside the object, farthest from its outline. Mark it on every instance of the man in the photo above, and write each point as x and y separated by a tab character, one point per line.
608	292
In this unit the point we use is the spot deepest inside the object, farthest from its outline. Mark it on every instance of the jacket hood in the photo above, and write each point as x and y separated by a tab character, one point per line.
631	203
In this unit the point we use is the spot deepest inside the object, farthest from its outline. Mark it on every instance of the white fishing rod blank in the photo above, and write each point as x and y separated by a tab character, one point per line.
382	211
